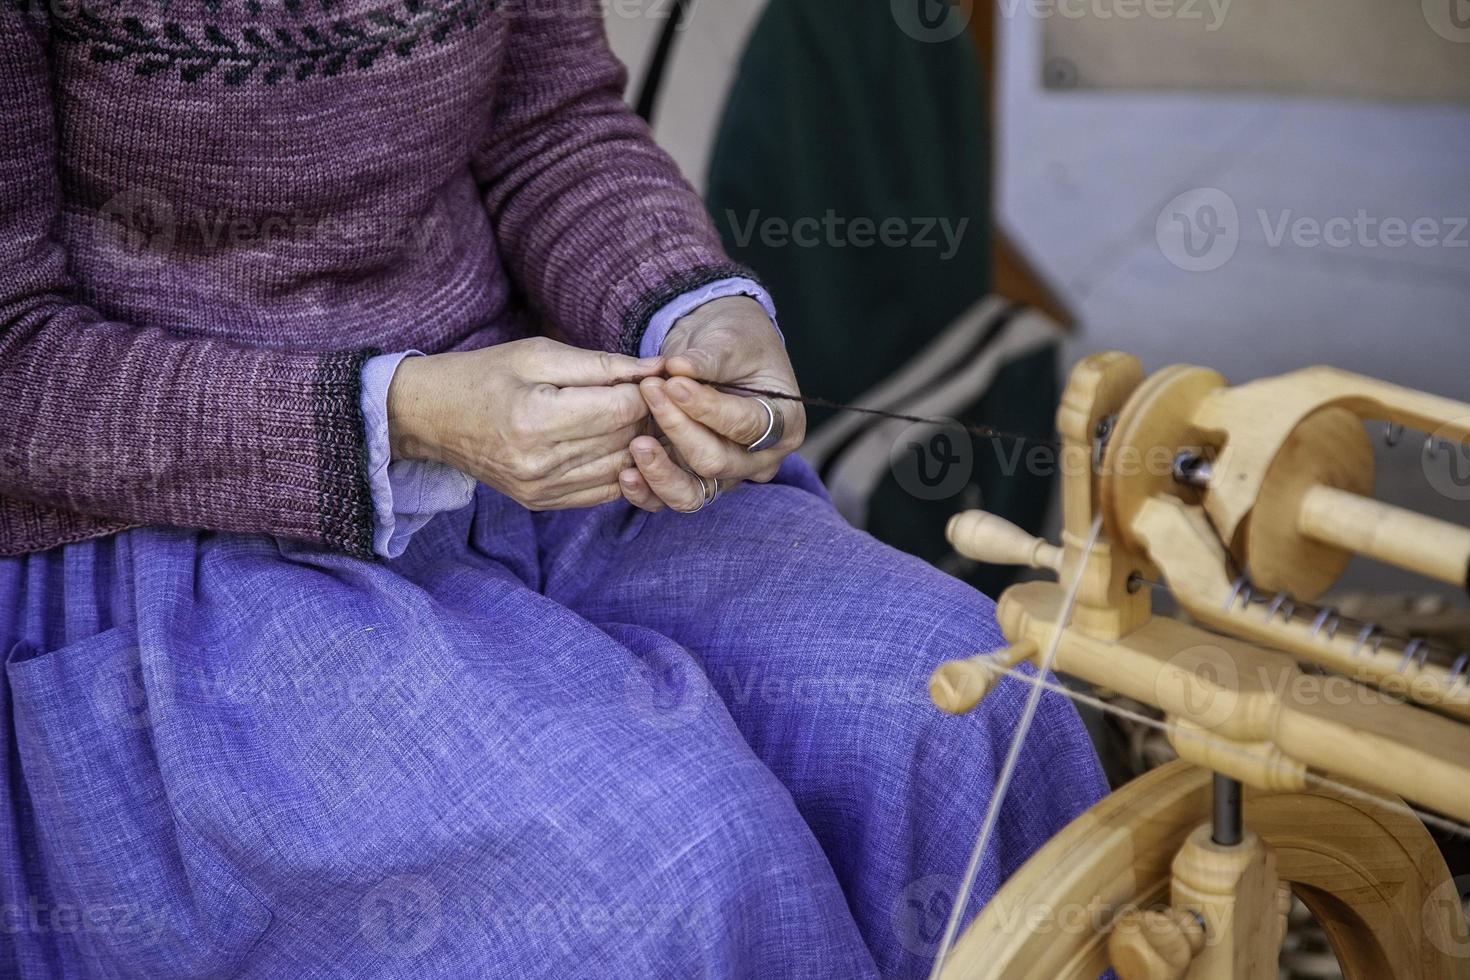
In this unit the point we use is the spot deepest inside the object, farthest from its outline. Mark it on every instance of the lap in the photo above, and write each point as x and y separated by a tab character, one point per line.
796	618
279	742
820	641
271	741
765	564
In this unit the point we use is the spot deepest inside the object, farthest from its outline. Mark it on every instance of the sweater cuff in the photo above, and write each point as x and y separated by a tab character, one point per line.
344	503
635	319
407	493
663	321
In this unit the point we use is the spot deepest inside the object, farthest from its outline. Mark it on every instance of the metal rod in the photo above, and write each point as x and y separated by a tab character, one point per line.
1326	622
1228	828
1194	470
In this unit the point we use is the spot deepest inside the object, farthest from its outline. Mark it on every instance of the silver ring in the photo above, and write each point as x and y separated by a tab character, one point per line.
704	492
775	429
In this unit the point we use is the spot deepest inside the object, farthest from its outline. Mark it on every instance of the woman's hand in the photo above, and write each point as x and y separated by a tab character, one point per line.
548	425
728	341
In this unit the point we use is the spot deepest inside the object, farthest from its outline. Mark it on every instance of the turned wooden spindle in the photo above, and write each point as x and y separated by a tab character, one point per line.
1432	547
1155	945
996	541
957	686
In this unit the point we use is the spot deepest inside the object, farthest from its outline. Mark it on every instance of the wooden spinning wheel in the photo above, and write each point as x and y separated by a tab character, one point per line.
1289	780
1369	872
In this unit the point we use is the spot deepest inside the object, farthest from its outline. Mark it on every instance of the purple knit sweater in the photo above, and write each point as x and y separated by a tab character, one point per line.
212	212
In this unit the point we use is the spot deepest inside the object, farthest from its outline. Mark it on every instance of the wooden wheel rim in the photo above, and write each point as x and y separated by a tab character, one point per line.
1374	880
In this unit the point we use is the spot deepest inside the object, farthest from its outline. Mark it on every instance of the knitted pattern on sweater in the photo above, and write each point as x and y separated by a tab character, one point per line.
212	212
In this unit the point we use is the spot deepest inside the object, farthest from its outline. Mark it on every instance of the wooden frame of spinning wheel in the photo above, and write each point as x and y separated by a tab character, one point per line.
1369	872
1289	460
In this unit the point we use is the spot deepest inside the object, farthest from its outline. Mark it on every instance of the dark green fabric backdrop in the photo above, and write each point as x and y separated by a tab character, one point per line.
836	110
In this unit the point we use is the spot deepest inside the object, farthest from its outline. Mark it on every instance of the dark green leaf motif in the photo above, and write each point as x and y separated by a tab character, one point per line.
270	55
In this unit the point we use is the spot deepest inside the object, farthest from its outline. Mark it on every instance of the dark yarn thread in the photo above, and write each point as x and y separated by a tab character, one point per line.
979	431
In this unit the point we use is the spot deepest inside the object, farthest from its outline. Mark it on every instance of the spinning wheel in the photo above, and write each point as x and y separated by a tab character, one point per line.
1289	779
1369	872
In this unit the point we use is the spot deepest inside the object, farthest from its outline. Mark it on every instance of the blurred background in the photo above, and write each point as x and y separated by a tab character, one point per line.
952	203
1316	153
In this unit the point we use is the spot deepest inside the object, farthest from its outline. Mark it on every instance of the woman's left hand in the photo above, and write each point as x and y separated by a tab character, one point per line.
728	341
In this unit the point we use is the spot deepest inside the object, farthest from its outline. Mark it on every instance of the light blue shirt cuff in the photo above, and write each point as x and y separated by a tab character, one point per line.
408	493
663	321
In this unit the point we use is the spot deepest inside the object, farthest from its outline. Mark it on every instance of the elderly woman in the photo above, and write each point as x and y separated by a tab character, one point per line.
380	596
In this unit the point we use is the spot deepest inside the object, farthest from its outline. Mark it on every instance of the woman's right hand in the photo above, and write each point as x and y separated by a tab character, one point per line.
546	424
